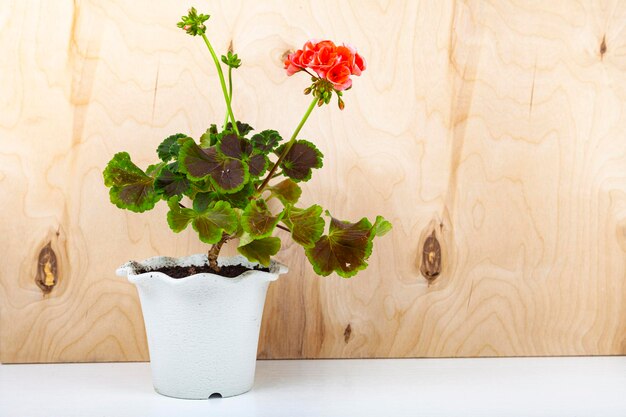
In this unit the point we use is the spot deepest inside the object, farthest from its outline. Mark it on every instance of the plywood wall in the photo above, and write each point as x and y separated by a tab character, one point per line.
498	126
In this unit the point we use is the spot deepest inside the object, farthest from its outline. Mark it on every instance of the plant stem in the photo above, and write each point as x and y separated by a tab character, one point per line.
286	229
230	92
287	147
215	251
222	82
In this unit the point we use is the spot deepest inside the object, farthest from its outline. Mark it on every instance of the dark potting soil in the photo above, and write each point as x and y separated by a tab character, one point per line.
228	271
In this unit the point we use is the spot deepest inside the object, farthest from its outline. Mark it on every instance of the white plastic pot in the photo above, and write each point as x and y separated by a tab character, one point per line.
203	330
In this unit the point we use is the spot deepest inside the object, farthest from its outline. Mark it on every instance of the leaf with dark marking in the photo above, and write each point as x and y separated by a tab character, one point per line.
258	220
234	147
301	159
243	128
169	182
227	174
258	164
130	187
346	247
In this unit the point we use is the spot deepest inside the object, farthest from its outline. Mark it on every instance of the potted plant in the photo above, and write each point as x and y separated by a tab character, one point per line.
203	312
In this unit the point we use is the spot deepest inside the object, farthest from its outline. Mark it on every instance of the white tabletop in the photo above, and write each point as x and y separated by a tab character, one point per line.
385	387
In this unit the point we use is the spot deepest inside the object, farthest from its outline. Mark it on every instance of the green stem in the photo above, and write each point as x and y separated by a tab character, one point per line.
287	147
222	82
230	92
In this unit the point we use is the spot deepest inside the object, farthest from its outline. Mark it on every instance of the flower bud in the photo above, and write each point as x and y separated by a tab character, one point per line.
307	91
341	104
320	102
187	27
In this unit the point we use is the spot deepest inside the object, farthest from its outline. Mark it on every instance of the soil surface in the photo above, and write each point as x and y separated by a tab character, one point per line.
228	271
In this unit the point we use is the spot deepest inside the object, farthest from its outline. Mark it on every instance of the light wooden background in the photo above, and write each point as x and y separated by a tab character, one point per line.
500	126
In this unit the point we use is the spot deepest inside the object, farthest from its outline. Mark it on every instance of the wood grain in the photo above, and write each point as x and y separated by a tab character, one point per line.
499	127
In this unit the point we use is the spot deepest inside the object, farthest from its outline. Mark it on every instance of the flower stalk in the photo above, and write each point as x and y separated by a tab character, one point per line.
222	82
292	140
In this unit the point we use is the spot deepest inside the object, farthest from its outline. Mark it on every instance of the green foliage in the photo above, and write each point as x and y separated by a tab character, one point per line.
381	226
168	149
306	225
266	140
299	162
287	191
130	187
258	250
225	184
169	182
243	128
221	176
217	218
258	221
346	247
210	137
226	174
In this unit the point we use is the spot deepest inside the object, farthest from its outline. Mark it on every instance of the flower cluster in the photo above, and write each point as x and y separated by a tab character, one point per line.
335	64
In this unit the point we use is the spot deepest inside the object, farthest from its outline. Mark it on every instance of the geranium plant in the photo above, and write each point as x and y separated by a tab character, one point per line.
221	183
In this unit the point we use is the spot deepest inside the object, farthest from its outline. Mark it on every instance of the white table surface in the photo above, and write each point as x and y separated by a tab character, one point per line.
385	387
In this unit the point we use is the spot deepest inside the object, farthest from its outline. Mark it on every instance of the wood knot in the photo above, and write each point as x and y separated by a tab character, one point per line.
347	333
603	47
431	258
46	277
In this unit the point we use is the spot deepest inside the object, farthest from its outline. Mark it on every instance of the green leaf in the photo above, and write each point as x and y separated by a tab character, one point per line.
258	164
258	220
227	174
239	199
381	226
131	188
202	200
306	225
169	182
210	137
258	250
233	146
212	222
153	170
243	128
300	160
266	141
287	191
178	218
169	148
344	250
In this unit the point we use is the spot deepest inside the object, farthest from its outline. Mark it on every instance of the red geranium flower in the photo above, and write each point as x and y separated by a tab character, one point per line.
336	64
